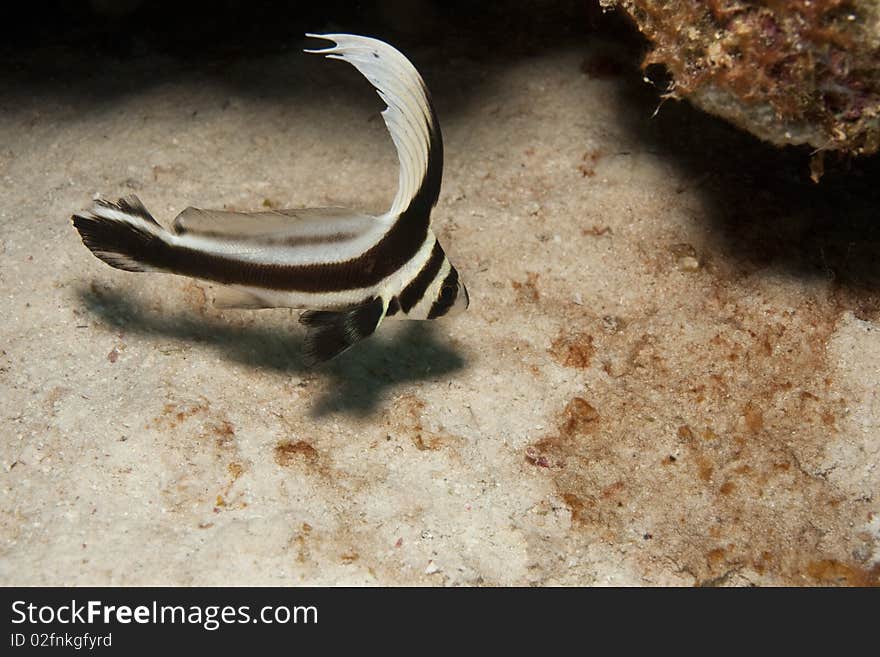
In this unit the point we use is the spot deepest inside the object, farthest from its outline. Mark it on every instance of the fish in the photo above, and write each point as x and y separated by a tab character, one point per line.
346	269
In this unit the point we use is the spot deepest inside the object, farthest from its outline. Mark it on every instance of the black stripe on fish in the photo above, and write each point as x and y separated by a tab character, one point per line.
446	298
332	332
402	241
414	292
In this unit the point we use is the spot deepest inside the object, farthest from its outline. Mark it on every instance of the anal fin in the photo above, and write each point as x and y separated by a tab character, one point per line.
332	332
230	297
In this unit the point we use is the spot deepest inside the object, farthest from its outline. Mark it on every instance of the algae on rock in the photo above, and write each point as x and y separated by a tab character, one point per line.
796	72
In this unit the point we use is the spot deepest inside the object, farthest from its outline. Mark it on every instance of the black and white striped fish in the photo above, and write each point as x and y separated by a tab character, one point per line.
348	269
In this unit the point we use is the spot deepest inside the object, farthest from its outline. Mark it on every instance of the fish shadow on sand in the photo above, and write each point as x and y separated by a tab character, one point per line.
359	380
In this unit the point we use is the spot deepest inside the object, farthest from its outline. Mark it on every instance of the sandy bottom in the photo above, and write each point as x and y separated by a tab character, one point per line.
667	376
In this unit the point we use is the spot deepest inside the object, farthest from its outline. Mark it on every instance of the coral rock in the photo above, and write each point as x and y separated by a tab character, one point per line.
795	72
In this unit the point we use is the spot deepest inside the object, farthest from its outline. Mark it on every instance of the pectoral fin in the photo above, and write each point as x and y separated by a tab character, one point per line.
332	332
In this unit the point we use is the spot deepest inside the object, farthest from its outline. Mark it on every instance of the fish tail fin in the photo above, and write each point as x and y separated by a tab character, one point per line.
332	332
122	234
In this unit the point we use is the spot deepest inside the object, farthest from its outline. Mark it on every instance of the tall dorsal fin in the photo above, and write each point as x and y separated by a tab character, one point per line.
409	116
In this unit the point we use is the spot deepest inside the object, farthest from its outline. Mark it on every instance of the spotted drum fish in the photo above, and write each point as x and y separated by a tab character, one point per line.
349	270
